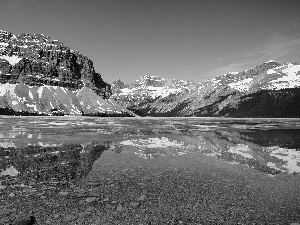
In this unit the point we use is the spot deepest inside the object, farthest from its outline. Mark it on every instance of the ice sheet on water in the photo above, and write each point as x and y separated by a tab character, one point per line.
153	143
158	146
242	150
10	171
7	145
290	158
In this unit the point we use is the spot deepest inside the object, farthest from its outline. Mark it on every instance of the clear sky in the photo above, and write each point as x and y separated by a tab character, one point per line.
184	39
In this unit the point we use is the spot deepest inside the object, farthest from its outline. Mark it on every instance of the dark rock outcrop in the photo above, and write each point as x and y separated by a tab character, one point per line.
42	76
36	59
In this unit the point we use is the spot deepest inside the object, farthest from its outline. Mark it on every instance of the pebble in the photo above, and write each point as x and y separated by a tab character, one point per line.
119	208
93	183
81	191
94	194
11	195
63	193
141	198
89	209
81	202
70	218
91	199
24	220
105	200
214	206
81	195
83	214
29	190
110	206
114	202
5	211
56	216
72	186
124	170
134	204
3	220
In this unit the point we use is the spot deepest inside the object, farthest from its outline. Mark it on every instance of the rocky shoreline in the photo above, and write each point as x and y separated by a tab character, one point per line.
10	112
188	190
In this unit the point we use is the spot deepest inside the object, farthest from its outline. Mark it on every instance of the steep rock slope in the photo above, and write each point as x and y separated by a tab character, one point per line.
234	94
21	99
39	75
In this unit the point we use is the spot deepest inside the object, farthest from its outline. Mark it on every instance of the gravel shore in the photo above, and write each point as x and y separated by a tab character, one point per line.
189	189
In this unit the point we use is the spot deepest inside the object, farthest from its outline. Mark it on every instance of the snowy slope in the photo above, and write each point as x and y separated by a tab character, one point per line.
49	99
267	76
151	87
225	95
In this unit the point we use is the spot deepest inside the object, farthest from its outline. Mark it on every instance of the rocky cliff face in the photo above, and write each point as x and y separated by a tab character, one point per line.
42	76
37	59
267	90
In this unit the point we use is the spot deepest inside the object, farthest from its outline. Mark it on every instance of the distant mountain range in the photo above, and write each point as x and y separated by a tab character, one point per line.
270	90
42	76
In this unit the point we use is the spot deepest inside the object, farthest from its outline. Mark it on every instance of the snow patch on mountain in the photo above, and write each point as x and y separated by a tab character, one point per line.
45	99
290	79
149	91
11	59
242	85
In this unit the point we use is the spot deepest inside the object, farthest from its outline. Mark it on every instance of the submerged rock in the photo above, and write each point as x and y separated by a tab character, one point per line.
25	220
70	218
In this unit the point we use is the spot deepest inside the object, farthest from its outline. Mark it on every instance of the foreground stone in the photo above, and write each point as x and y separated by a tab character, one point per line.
70	218
24	220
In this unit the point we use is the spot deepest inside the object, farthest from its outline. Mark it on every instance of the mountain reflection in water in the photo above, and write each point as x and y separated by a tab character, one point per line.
55	150
50	165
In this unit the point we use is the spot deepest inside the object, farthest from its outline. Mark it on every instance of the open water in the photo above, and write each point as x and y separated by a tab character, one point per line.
54	150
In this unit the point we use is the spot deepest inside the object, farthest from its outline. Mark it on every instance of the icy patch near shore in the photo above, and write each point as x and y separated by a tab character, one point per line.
7	145
154	147
153	143
11	59
242	150
290	158
11	171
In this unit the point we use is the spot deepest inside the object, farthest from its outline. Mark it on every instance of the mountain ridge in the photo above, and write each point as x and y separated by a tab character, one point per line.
42	76
215	97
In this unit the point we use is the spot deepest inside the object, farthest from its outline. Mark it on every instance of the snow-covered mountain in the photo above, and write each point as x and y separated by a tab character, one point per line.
39	75
54	100
152	87
261	91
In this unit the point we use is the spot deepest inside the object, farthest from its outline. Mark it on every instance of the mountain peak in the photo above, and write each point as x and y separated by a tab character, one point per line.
271	61
36	59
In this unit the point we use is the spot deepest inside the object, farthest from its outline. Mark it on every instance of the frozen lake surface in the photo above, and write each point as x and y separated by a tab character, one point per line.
57	149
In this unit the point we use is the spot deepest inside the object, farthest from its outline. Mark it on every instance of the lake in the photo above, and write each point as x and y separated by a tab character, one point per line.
57	153
28	144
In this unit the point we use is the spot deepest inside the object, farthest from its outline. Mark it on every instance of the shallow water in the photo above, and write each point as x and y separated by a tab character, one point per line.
54	150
